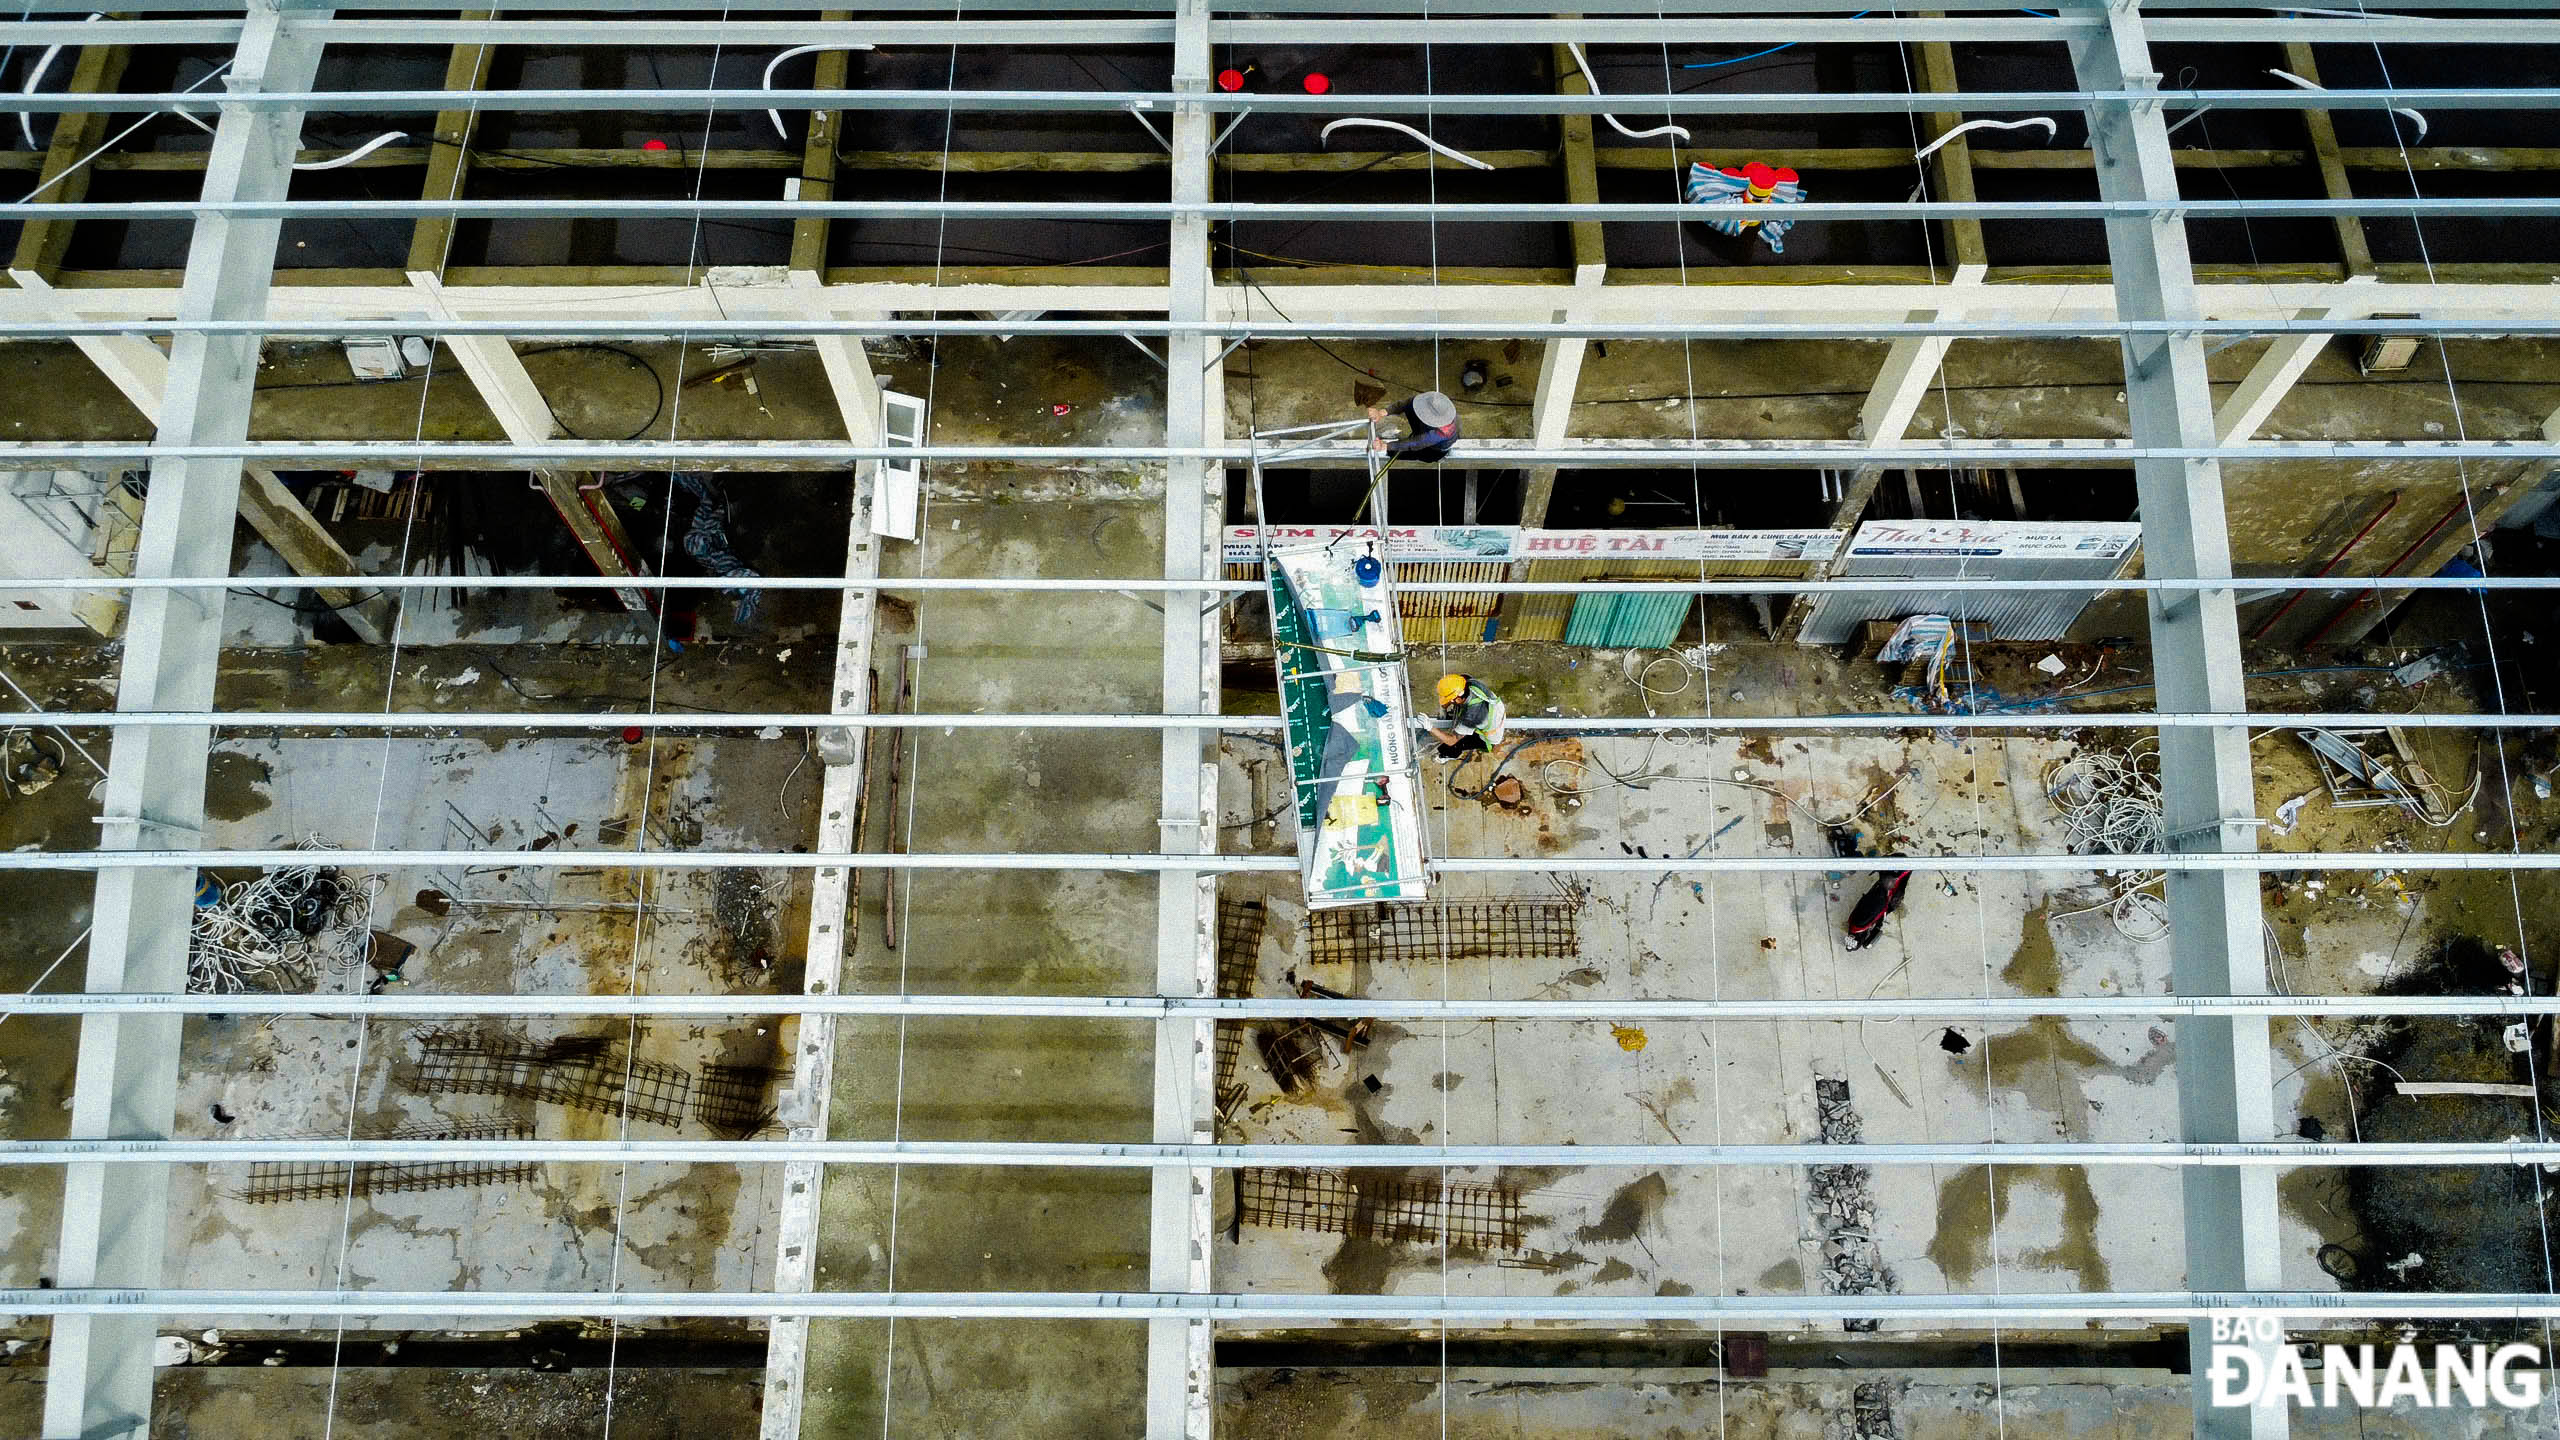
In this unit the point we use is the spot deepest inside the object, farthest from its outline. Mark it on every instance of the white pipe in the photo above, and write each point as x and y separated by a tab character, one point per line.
1593	81
1327	134
2396	109
358	153
2050	129
35	77
776	62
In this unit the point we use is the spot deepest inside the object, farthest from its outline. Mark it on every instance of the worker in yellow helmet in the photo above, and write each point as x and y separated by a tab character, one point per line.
1470	716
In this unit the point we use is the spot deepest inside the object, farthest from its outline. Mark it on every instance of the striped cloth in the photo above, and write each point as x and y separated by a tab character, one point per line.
1753	184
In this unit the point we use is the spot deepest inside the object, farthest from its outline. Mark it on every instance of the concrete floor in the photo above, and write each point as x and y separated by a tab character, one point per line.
1021	932
1594	1232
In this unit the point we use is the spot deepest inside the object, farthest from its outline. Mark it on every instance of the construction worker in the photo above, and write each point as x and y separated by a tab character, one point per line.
1470	717
1433	419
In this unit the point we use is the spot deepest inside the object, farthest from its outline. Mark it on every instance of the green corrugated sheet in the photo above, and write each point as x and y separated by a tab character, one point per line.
1627	621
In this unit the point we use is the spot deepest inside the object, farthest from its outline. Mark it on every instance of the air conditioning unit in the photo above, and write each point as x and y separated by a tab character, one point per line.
374	357
2383	354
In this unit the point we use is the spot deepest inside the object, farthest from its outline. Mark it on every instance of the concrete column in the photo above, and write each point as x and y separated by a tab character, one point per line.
1179	1370
98	1382
2226	1080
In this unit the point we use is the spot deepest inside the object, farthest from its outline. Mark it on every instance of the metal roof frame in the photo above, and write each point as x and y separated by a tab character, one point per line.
129	1007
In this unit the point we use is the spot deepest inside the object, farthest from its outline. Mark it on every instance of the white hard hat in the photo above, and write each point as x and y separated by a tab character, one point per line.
1433	409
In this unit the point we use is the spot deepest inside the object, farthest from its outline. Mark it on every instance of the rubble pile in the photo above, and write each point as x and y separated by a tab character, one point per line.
1846	1210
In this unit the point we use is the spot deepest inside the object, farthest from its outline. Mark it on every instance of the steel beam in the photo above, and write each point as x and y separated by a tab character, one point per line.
2433	207
99	1376
1178	1159
1706	454
715	722
2316	323
1745	1312
1031	584
2184	862
1140	1008
1595	726
2226	1076
699	100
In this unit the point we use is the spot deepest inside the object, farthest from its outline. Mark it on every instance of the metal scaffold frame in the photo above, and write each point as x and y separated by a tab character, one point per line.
2150	304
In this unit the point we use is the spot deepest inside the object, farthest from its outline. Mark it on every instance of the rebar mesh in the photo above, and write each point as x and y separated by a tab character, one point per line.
1240	925
274	1181
1407	934
734	1101
1371	1205
581	1072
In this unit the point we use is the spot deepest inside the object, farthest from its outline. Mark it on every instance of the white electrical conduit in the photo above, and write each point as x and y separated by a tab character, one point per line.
1593	81
358	153
1326	134
2396	109
35	77
2050	129
776	63
351	157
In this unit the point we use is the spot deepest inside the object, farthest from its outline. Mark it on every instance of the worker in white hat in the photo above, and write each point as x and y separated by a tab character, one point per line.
1434	421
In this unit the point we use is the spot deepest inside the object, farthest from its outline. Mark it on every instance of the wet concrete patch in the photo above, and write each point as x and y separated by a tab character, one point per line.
1971	1205
235	786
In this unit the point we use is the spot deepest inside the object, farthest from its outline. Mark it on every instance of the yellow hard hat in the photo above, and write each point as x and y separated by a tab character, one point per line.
1452	687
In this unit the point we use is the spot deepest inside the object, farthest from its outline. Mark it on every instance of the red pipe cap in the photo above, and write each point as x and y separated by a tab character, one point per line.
1230	80
653	144
1317	82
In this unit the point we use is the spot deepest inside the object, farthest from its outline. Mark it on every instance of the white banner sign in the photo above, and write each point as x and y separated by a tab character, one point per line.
2008	539
1457	544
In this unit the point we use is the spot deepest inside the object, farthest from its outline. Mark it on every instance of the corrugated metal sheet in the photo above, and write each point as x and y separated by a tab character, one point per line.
2018	615
1636	621
1562	617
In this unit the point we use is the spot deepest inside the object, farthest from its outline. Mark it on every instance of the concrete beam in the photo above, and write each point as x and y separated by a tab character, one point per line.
140	371
2245	410
848	369
99	1377
833	917
2226	1080
496	371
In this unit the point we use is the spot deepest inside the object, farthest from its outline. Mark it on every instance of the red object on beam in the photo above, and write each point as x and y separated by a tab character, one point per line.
653	144
1231	80
1317	82
2366	598
2390	502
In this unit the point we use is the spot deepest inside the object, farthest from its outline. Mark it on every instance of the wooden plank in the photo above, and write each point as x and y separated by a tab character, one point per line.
43	243
1952	166
1581	164
2464	1087
431	239
818	160
2352	247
